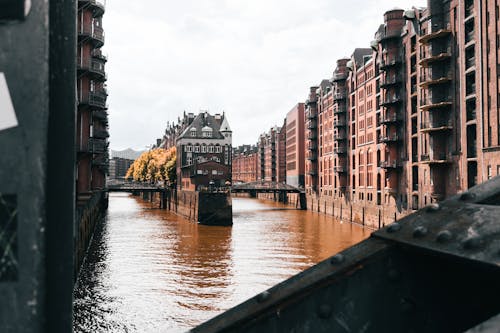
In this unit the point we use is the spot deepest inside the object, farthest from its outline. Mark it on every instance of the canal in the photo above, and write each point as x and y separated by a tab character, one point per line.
151	271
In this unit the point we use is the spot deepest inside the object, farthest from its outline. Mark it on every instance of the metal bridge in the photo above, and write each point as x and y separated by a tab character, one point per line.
265	187
436	270
118	185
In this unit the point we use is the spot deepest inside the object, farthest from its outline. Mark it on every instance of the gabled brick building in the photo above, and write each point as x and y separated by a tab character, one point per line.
204	150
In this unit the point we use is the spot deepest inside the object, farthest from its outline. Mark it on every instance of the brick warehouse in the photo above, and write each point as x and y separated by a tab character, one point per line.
409	121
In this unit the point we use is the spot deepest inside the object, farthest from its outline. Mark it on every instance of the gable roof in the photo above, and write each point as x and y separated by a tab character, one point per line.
201	122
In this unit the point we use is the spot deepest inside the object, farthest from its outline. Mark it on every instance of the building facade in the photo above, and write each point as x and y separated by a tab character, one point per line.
244	164
92	119
204	151
121	161
295	150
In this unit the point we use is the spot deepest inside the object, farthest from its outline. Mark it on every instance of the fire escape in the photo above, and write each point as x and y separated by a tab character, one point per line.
340	124
312	139
436	103
391	116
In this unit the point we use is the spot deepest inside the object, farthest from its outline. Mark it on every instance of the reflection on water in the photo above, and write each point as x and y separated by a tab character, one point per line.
149	270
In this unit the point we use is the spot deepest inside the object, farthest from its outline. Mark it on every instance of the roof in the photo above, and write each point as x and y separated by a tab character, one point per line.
204	121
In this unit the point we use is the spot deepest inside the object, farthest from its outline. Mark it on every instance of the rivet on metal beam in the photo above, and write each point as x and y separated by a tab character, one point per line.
471	243
394	227
324	311
444	236
419	232
263	296
434	207
337	259
467	196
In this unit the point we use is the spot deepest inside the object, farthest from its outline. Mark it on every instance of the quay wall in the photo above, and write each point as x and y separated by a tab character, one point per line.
209	208
370	215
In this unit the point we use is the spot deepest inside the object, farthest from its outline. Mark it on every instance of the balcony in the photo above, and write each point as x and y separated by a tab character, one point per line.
101	162
101	115
429	104
390	100
340	109
339	123
429	126
312	124
312	146
428	61
96	99
312	173
94	33
435	158
338	77
388	35
97	146
340	169
438	33
97	6
310	114
339	96
312	156
340	150
388	138
427	81
390	61
389	164
100	134
312	135
390	80
310	103
339	136
388	119
92	66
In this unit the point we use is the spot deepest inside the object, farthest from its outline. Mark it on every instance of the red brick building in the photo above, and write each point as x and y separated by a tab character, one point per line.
92	119
244	164
204	152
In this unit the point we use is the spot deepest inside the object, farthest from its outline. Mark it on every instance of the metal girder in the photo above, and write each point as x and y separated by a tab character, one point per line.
396	281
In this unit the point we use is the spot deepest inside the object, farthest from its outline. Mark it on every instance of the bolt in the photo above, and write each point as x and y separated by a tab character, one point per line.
324	311
443	236
471	243
433	207
419	232
467	196
263	296
394	227
337	259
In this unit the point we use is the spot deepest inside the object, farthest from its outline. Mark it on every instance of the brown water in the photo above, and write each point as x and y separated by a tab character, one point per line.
151	271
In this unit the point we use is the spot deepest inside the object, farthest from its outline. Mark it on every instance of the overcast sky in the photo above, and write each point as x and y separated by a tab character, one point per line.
253	59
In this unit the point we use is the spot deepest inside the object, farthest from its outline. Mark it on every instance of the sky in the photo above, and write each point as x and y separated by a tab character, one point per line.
253	60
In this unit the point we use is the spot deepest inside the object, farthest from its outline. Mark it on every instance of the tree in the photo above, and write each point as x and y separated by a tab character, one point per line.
155	165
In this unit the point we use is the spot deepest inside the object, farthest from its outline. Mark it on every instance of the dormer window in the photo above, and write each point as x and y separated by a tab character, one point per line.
193	131
206	132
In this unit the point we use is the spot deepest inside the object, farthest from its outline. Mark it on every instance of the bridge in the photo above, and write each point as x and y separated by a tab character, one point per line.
265	187
123	185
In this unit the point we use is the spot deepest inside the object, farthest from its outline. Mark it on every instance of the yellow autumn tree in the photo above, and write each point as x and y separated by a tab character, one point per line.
154	165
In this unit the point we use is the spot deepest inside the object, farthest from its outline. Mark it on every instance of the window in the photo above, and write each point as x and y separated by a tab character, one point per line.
203	149
193	131
196	149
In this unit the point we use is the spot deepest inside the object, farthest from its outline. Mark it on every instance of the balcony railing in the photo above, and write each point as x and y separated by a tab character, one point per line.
312	146
427	80
338	77
339	96
339	123
94	99
390	100
340	150
339	136
388	138
389	164
388	118
101	115
312	156
430	104
340	109
312	124
94	32
387	35
435	33
435	158
340	169
430	126
390	80
389	61
312	136
429	60
100	134
310	114
97	146
92	65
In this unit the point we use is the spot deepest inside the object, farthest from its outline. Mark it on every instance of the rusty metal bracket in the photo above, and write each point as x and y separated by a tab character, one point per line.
466	226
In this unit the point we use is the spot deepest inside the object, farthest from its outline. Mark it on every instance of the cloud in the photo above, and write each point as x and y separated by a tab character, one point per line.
253	59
